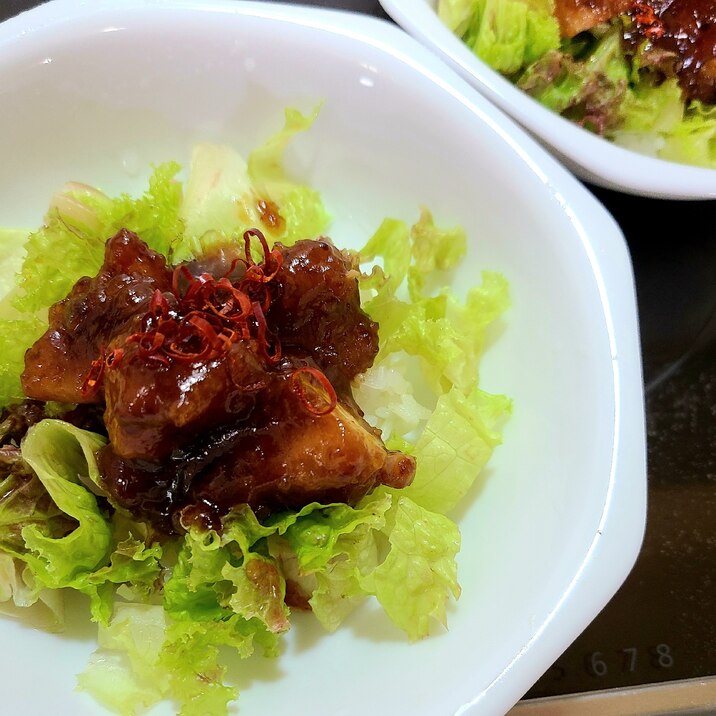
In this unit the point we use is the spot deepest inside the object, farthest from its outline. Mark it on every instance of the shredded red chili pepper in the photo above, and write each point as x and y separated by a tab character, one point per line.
93	379
203	316
645	17
270	351
301	378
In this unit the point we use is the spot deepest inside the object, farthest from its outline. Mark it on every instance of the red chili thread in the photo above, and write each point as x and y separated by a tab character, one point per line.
301	377
646	19
271	352
93	379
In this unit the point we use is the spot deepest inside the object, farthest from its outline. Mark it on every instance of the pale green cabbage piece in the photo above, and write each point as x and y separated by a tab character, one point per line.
447	335
418	573
509	34
455	445
656	121
457	14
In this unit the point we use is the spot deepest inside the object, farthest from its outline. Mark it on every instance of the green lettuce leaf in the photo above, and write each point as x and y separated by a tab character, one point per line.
420	571
16	336
217	576
258	586
339	551
510	34
315	536
19	597
12	256
77	225
338	586
60	455
17	330
24	501
455	445
53	523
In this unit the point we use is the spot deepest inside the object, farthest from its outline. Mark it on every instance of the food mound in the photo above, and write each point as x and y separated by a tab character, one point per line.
641	73
224	380
182	432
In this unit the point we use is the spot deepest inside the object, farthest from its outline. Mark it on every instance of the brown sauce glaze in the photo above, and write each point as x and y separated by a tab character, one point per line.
270	216
317	311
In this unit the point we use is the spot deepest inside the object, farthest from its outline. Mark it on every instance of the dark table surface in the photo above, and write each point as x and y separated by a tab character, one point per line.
669	600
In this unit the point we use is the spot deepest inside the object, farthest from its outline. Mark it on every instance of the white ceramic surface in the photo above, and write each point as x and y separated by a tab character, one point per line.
592	158
96	91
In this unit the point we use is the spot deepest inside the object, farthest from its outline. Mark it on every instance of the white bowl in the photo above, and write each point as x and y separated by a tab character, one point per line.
99	90
591	157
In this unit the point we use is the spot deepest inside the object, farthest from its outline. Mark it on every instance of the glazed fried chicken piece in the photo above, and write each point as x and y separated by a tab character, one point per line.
92	314
297	457
154	408
682	41
285	456
225	381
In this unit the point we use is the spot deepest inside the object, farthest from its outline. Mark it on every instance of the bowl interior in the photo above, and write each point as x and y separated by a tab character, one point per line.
99	97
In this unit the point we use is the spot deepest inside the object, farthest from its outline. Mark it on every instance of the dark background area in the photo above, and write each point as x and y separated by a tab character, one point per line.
661	625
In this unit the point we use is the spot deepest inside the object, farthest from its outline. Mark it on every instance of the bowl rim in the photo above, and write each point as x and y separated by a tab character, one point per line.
591	157
616	542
